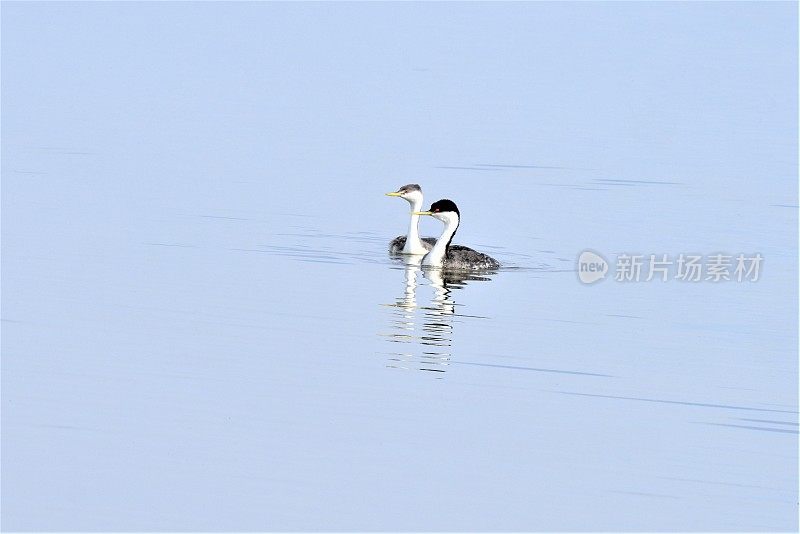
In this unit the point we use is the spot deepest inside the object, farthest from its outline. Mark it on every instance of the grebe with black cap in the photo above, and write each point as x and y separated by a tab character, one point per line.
411	243
447	256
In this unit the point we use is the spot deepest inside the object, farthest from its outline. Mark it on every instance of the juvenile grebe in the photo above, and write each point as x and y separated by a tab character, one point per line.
411	244
448	256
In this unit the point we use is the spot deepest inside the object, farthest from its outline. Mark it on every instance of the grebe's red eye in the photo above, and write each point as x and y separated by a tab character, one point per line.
436	210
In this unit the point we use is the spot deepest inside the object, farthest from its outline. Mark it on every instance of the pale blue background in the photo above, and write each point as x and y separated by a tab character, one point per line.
200	329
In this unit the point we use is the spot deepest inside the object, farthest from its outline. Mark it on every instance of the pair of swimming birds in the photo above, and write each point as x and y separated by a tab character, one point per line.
438	253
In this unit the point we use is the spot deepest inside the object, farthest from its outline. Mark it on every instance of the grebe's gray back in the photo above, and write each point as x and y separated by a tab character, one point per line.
411	243
397	245
448	256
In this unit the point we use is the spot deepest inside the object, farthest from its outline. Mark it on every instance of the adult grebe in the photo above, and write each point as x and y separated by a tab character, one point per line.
448	256
411	244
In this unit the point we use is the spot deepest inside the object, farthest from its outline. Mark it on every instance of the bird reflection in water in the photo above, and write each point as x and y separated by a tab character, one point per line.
427	331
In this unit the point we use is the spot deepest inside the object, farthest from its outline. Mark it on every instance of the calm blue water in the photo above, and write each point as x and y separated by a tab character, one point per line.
202	329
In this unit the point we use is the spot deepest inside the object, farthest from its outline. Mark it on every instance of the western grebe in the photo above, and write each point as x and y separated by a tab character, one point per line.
448	256
411	244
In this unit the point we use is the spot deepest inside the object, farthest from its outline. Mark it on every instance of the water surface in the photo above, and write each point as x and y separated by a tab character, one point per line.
202	329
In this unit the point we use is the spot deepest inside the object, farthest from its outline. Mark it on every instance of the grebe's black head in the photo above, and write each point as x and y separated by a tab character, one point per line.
444	206
446	211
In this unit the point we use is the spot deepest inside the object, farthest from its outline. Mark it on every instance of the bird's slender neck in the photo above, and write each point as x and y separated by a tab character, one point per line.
413	242
435	258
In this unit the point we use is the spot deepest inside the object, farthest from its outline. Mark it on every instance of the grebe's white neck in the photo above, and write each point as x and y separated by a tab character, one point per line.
435	258
413	242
